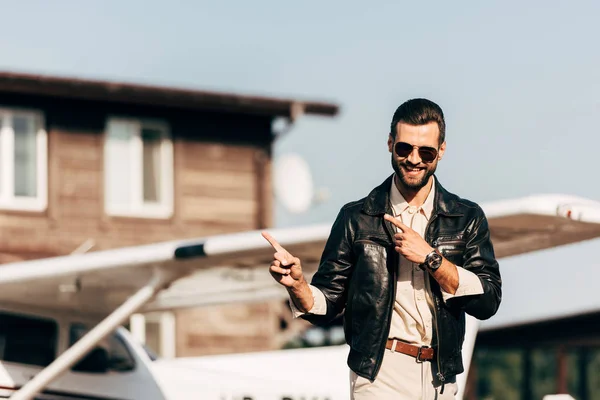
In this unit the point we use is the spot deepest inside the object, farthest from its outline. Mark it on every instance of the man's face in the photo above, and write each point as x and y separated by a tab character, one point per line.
412	170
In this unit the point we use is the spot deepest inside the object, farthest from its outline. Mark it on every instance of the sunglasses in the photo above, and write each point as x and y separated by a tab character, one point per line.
427	154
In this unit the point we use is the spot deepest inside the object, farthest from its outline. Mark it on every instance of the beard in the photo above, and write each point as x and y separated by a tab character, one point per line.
410	182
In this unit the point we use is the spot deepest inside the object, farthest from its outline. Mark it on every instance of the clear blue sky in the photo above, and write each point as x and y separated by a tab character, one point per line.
519	81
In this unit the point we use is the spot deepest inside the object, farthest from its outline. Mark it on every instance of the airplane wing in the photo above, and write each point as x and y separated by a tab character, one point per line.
233	267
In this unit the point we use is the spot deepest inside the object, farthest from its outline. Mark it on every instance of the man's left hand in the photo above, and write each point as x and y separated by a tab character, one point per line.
408	242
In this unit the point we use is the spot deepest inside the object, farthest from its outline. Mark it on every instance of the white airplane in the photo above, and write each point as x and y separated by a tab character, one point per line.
61	334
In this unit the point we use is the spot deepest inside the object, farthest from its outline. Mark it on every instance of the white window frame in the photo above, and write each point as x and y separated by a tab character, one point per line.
167	331
8	200
137	207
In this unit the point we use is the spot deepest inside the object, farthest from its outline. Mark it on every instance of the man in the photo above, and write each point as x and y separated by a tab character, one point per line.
404	265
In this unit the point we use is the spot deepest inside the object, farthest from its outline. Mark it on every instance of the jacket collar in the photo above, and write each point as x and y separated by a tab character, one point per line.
378	201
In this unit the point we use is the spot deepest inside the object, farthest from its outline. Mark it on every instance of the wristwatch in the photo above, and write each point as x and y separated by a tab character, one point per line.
433	261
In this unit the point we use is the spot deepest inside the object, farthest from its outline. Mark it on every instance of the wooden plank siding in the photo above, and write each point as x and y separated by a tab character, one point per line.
209	200
217	188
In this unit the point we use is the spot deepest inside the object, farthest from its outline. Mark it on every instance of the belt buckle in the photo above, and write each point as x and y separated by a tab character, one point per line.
420	352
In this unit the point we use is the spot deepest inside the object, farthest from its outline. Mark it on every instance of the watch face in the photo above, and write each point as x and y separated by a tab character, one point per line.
434	261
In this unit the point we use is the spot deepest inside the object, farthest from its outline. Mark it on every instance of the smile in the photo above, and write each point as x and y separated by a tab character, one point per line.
412	170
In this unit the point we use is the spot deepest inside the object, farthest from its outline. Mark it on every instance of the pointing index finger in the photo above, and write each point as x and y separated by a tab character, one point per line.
273	242
396	222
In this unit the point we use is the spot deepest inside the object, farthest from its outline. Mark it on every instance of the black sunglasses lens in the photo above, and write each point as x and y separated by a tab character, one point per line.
403	149
427	154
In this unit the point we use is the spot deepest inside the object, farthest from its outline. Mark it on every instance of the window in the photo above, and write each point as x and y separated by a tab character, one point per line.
27	340
138	168
117	356
23	154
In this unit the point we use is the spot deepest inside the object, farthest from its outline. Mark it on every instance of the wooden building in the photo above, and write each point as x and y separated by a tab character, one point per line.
89	165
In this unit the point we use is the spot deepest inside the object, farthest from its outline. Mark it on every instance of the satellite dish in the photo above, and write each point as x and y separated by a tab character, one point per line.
293	183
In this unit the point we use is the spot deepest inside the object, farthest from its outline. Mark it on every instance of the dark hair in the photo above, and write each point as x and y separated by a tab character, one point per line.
419	112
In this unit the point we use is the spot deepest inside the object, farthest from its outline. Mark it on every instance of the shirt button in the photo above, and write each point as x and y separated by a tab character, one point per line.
412	209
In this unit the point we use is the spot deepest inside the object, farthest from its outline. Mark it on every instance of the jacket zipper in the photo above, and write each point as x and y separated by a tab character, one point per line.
453	241
439	374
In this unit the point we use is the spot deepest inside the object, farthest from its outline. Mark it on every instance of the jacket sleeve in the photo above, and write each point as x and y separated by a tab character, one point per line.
479	258
335	269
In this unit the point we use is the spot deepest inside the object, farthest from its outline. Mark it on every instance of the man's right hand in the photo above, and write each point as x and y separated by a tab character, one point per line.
285	268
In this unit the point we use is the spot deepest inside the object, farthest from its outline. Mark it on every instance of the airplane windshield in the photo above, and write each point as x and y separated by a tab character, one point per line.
112	348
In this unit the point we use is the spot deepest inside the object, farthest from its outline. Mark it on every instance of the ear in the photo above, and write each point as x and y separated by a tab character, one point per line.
390	142
442	150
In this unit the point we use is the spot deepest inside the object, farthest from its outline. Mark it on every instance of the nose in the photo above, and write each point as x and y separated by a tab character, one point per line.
414	157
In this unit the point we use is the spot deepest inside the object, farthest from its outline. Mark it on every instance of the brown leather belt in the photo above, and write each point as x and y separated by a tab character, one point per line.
420	353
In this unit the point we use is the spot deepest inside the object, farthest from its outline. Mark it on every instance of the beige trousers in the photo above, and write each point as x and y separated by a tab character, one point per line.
401	377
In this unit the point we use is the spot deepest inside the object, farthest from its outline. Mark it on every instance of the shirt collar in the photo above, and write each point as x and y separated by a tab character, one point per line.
399	204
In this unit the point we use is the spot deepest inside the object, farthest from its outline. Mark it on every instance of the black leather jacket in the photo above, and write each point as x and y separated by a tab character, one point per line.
357	275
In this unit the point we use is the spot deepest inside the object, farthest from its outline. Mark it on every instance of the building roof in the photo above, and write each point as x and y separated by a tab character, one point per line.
76	88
